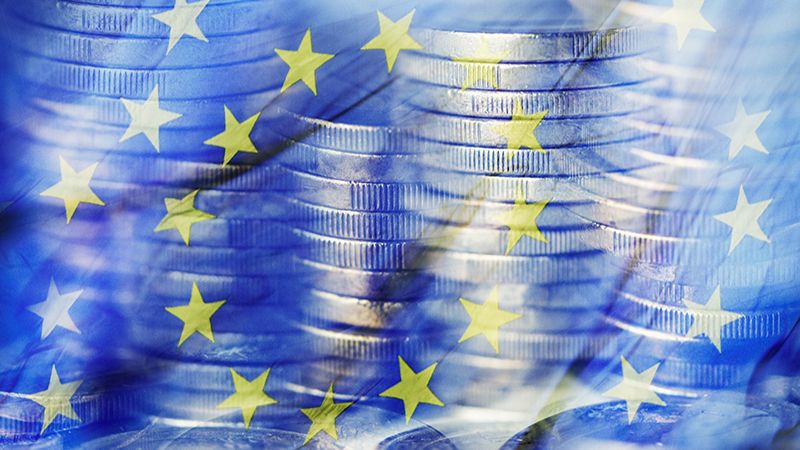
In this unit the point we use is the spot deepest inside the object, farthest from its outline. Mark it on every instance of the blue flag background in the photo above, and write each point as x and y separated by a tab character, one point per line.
449	224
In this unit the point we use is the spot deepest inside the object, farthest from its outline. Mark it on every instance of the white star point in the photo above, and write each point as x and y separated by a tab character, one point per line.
742	131
744	220
54	311
710	318
635	388
685	16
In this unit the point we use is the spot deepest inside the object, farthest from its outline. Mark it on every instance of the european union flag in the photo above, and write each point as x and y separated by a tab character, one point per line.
443	224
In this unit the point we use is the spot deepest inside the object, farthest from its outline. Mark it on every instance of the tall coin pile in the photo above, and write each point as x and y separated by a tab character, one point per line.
353	209
517	125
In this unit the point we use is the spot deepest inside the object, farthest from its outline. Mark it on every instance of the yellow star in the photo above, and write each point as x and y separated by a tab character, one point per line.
181	215
520	130
413	388
196	316
236	137
635	388
303	64
393	38
487	318
248	395
323	417
56	400
710	318
521	221
74	188
485	69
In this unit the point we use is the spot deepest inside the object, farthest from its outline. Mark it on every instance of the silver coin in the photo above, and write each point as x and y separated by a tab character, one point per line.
565	44
527	77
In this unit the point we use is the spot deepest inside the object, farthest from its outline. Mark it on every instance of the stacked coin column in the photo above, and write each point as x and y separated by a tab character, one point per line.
147	209
708	239
515	124
356	193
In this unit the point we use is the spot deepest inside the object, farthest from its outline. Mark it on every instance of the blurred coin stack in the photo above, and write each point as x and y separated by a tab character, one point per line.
704	238
141	120
519	118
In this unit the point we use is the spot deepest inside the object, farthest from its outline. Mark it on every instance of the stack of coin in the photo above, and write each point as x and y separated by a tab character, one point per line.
517	120
140	121
705	234
353	210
